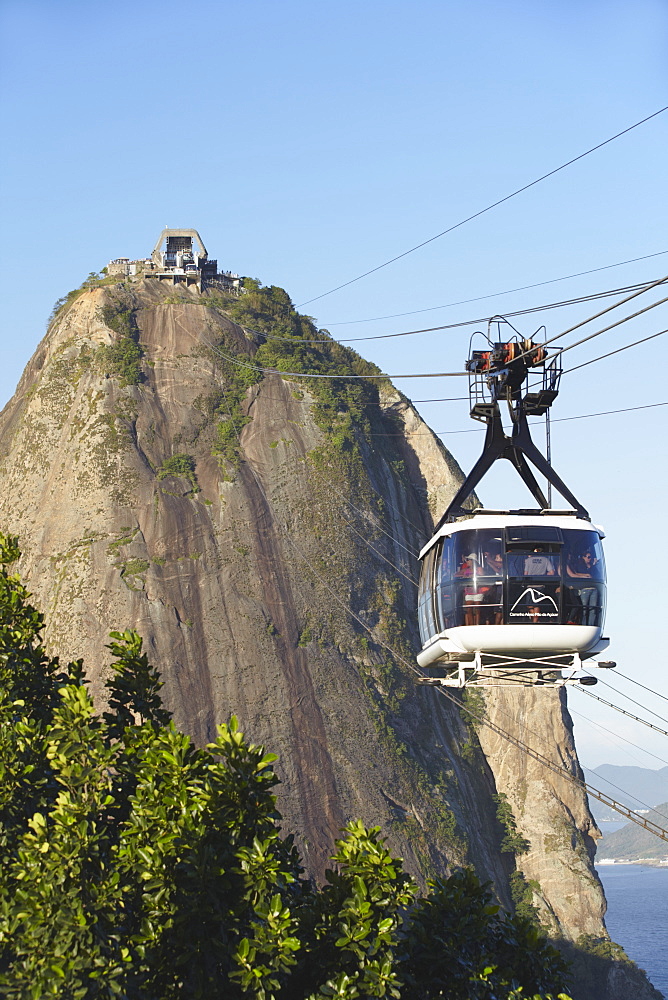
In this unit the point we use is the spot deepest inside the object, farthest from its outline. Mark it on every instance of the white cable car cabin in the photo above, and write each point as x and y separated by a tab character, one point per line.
516	593
512	597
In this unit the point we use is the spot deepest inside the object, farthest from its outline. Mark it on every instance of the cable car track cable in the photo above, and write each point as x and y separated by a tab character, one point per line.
298	375
634	681
617	736
546	743
377	525
601	312
488	208
623	711
601	357
556	420
638	703
380	554
640	286
493	295
591	336
277	371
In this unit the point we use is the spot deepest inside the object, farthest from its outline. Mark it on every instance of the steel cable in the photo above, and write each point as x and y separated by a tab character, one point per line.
488	208
494	295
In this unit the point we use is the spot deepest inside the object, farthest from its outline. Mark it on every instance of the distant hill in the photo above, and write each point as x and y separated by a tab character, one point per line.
629	785
632	843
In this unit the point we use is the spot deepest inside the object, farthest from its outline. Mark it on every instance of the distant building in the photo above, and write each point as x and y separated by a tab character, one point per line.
126	267
177	260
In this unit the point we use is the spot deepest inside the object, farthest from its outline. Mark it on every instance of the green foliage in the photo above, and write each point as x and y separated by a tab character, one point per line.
522	891
357	921
225	407
343	408
134	687
137	866
473	704
513	842
461	946
180	465
122	357
602	947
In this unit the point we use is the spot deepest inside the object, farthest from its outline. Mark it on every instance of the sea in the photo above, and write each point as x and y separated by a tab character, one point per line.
637	916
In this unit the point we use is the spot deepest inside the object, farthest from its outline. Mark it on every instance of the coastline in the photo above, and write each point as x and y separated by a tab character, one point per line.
647	862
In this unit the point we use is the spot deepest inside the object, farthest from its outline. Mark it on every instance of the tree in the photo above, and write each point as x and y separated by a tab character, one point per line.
137	865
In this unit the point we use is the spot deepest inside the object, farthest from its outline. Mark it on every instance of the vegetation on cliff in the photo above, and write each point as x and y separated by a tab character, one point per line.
122	357
358	446
291	343
137	865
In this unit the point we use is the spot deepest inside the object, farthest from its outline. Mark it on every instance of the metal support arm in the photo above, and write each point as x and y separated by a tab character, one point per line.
517	449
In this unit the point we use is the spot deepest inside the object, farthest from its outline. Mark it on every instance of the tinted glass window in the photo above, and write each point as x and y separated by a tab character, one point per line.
425	597
534	533
583	556
478	553
584	605
523	575
542	561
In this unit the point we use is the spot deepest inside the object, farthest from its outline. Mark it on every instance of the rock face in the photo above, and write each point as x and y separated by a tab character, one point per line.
260	533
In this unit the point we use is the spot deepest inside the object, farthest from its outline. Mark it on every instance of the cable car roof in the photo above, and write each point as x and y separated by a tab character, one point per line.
482	518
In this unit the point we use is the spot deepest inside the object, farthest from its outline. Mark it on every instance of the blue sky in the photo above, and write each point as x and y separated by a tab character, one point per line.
309	143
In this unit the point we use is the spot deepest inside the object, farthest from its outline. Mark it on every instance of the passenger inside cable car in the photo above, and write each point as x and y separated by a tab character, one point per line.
517	575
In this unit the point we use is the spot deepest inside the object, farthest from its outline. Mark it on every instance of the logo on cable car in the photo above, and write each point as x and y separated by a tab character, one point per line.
533	598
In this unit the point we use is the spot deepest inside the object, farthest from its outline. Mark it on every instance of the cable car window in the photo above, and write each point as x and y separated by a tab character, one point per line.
583	554
534	575
584	605
425	606
478	574
534	559
438	574
584	579
447	590
533	534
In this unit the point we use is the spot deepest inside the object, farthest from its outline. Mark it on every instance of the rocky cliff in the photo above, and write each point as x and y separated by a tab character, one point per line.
260	532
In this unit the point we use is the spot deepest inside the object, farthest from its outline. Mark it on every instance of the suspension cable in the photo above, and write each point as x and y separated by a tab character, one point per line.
376	521
469	322
634	681
488	208
650	725
556	420
379	553
617	736
602	312
618	351
494	295
628	698
583	340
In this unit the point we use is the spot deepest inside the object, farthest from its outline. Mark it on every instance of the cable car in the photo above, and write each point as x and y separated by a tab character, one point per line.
516	596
